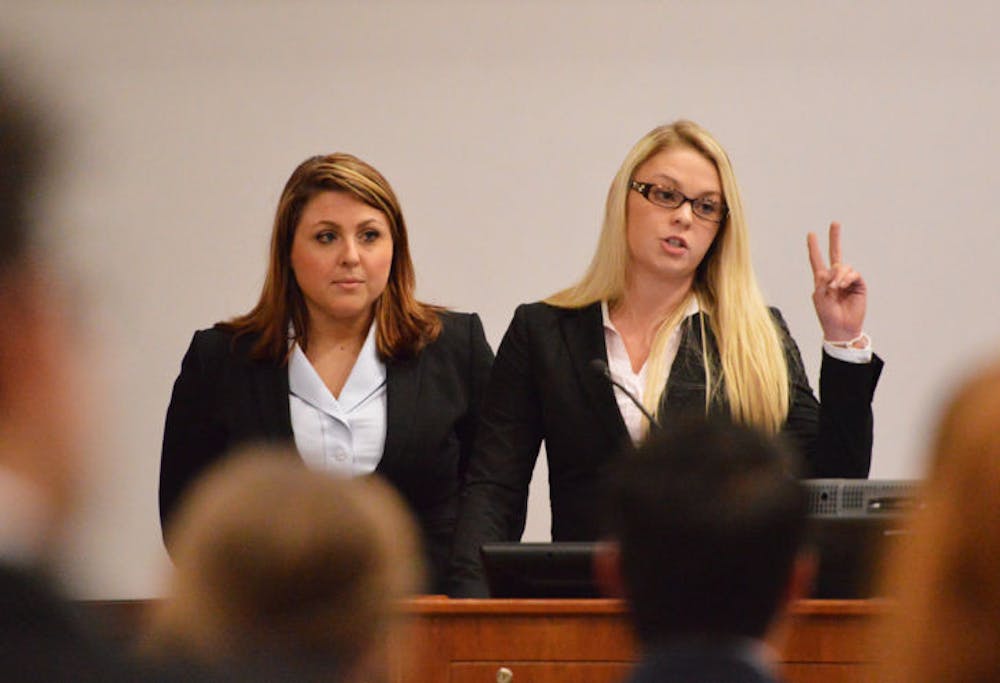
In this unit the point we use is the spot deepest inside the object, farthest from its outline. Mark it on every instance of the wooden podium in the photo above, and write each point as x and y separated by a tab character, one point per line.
578	641
589	641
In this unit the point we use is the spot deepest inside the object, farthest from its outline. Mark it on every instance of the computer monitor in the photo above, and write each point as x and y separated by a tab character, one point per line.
540	570
852	522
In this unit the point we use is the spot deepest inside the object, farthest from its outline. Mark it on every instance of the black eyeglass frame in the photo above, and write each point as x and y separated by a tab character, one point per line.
645	188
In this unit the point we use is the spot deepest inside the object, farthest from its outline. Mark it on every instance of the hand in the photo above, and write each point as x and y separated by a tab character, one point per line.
839	293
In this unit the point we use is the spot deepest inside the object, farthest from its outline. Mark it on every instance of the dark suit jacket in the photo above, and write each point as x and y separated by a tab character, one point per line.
43	638
222	398
40	637
543	387
700	664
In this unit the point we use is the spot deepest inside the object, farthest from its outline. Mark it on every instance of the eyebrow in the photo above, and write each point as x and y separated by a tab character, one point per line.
366	223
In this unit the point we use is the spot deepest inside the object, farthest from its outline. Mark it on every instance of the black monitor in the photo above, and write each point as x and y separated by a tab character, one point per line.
540	570
851	524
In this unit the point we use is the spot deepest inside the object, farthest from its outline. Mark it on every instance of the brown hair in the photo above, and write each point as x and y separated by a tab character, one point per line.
945	626
275	559
404	325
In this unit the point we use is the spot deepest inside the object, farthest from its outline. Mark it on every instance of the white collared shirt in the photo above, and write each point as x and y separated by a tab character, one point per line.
344	435
621	369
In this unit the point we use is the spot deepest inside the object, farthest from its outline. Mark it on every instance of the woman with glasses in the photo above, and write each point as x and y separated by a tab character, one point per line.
670	312
337	357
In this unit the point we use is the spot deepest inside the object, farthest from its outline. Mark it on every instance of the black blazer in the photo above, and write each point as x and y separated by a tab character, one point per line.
41	639
543	387
44	638
222	398
700	662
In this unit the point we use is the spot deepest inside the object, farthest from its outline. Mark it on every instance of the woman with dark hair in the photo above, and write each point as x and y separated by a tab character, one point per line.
337	356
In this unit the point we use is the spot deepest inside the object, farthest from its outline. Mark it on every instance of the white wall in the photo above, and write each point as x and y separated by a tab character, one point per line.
500	124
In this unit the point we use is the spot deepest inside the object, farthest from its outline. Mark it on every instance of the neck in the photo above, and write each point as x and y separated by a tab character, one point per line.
650	301
329	333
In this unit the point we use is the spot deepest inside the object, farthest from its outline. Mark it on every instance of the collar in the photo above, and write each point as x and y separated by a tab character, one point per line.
367	376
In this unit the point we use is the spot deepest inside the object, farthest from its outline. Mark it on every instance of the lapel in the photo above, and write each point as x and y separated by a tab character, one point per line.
583	334
402	385
271	385
268	382
685	392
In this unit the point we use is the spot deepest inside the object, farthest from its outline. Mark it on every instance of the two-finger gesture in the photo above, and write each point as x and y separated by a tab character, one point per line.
839	292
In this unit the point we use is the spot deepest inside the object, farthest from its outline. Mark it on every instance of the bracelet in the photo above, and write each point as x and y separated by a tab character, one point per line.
849	344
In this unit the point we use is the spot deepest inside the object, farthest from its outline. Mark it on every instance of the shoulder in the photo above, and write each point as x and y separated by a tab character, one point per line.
542	313
457	322
459	331
779	320
212	341
219	344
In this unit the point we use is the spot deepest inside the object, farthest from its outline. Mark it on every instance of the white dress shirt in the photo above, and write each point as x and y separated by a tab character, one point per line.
621	369
343	435
621	366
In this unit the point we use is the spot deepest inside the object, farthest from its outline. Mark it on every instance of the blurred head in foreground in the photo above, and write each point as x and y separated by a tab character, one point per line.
276	562
946	573
40	378
706	526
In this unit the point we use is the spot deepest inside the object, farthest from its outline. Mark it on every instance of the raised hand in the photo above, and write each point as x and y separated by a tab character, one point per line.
839	291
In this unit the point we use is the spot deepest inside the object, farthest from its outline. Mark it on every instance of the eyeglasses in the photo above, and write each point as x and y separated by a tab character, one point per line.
709	208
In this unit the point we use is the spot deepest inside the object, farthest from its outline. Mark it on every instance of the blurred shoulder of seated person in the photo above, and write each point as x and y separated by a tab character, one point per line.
945	574
285	568
705	530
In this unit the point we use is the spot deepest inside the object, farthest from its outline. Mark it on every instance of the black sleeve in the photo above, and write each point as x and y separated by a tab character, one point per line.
833	434
193	436
495	496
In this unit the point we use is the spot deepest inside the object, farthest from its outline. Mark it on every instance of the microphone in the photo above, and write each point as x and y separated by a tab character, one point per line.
599	366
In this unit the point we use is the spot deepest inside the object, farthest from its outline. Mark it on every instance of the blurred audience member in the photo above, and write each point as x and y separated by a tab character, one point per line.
946	573
40	638
706	530
283	569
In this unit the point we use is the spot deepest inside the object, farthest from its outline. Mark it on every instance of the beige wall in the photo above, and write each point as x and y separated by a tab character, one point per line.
500	124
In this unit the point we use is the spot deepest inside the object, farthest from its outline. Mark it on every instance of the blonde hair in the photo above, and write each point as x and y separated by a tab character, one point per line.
271	557
946	572
751	364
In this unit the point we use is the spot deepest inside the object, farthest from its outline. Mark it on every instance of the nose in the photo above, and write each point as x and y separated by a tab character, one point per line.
349	254
684	213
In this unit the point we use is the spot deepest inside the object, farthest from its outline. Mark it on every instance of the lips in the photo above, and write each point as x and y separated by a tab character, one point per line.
348	285
675	243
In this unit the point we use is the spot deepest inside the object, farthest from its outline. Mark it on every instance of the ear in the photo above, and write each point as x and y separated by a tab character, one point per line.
608	569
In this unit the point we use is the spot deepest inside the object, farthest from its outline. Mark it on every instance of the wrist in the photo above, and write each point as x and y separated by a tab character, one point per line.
861	341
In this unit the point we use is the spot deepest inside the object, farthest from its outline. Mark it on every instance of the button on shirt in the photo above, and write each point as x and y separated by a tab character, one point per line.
344	435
